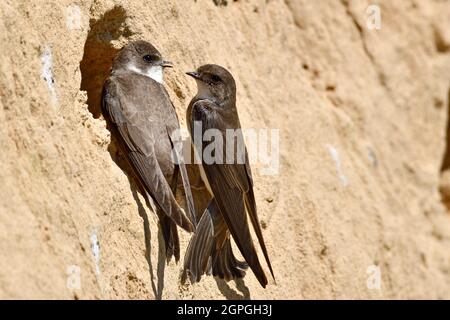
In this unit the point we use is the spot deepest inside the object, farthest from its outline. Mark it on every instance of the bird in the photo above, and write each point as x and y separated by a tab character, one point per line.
230	184
142	118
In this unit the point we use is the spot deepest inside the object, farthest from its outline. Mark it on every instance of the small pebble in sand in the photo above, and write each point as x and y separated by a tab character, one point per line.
263	224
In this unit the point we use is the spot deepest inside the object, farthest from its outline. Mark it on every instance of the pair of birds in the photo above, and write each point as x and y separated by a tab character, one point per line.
142	118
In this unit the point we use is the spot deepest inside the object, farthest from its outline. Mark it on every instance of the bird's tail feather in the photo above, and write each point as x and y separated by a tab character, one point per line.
197	260
225	265
210	251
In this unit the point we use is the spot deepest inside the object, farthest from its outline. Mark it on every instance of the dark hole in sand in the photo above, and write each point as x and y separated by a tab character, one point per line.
99	53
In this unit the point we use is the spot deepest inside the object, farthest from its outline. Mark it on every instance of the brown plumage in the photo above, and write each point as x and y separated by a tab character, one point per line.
141	117
230	184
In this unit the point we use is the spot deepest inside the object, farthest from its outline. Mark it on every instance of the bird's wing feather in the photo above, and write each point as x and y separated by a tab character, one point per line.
177	148
172	125
197	259
137	142
230	196
239	175
186	186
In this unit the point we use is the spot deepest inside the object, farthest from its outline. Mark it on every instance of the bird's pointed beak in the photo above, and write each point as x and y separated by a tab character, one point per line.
193	74
166	64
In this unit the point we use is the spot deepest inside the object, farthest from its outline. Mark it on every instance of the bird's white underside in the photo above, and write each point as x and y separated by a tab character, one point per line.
202	172
203	92
154	72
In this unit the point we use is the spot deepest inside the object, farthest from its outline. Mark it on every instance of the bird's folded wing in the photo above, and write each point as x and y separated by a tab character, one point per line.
241	176
231	203
138	142
229	184
177	148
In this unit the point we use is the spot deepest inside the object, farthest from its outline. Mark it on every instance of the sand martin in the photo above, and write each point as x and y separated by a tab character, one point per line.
231	186
142	118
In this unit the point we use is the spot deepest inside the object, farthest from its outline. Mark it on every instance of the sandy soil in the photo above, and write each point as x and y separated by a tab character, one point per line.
363	119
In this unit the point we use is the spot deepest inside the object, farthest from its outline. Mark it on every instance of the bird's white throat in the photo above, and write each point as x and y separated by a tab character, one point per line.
203	90
155	72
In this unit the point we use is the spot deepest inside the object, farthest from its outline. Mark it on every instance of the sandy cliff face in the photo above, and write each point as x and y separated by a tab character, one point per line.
363	119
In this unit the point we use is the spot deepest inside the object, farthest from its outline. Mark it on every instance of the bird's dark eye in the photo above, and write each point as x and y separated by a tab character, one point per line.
149	57
216	78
